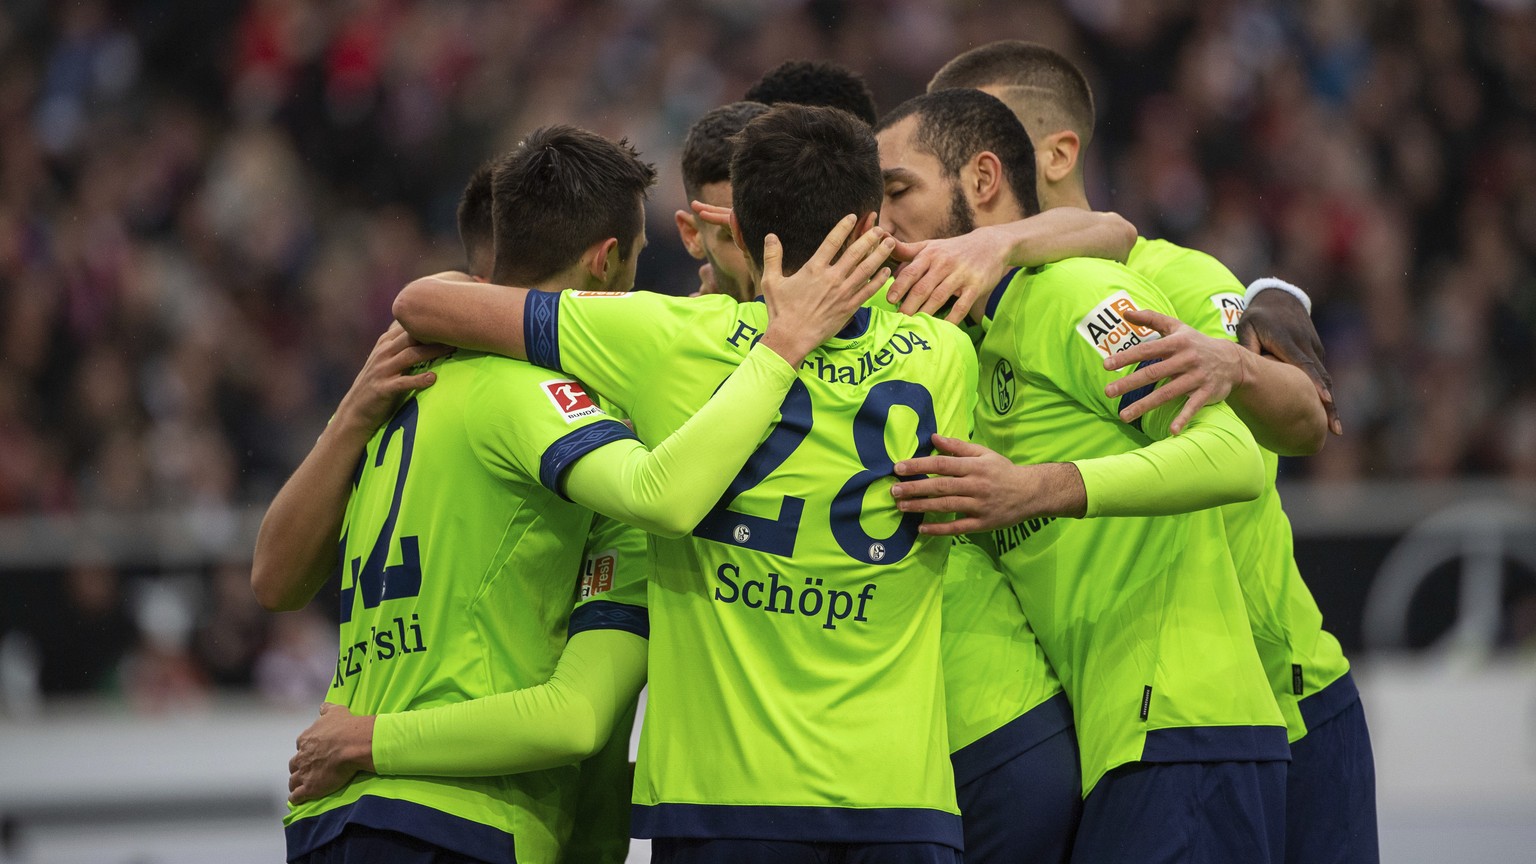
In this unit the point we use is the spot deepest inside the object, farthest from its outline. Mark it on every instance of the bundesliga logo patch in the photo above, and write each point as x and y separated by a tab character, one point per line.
1230	307
569	399
597	574
1106	329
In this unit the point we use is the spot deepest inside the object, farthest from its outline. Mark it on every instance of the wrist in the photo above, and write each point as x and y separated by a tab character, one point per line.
358	751
1271	283
348	428
787	343
1066	494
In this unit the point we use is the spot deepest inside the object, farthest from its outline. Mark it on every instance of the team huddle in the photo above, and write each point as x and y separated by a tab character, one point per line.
941	524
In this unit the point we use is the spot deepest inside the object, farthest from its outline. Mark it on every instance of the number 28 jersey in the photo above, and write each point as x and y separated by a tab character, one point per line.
795	686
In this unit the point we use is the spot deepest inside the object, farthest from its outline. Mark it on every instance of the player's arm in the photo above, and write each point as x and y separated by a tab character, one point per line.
668	489
1277	321
296	544
1215	461
964	269
453	309
563	720
1277	401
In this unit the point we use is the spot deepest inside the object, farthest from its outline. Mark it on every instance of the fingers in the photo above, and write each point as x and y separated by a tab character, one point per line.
936	487
1157	349
908	251
1157	398
1247	336
773	258
1164	324
949	466
867	265
908	276
962	307
923	288
945	504
1197	400
1149	374
954	447
711	213
942	293
834	241
963	525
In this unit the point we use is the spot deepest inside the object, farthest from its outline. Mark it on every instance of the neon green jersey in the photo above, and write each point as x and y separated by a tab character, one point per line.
995	673
795	688
610	595
458	561
1141	617
1299	656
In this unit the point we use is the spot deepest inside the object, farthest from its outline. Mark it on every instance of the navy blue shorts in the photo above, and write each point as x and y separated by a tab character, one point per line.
1185	812
688	850
1330	801
359	844
1027	808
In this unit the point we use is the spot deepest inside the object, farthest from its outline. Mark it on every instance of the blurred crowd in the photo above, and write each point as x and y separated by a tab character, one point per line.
206	207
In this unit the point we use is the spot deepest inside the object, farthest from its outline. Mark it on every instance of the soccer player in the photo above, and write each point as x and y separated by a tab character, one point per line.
476	516
707	178
813	82
795	705
337	745
1138	608
1330	811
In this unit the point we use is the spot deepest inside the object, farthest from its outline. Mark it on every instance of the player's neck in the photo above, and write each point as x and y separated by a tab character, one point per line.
1067	193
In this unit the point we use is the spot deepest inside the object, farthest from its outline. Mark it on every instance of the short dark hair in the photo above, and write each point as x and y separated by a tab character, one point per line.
556	193
954	125
1055	89
475	220
798	170
707	149
807	82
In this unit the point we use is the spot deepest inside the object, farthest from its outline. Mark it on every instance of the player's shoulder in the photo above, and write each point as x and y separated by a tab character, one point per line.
1071	282
1163	258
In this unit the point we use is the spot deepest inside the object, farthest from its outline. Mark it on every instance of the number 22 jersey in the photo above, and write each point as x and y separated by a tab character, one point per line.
458	564
795	686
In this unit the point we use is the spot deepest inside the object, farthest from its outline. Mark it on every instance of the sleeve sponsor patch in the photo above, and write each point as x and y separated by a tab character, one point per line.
601	293
1230	307
597	573
570	399
1106	329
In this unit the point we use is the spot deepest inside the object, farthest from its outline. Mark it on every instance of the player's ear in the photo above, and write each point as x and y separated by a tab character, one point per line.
1056	155
601	258
866	222
688	229
983	179
736	236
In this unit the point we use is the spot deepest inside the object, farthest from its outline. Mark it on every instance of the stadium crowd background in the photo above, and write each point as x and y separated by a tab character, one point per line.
207	207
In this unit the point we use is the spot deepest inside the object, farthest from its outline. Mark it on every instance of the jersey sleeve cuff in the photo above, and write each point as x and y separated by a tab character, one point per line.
541	328
561	455
1269	282
610	615
1092	472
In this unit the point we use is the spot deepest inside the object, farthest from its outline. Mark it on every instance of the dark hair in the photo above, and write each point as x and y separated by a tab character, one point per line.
708	148
806	82
559	191
955	125
1053	87
796	172
475	220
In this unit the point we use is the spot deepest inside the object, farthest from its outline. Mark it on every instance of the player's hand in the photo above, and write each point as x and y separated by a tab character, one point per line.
1204	368
385	380
809	307
953	268
333	749
984	488
706	281
1276	323
713	214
